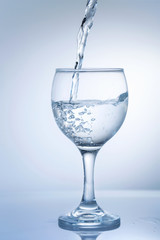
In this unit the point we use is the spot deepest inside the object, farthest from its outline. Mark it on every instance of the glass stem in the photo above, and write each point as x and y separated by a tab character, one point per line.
88	166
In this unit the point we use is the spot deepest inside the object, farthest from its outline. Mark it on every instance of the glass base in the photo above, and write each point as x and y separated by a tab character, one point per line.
87	222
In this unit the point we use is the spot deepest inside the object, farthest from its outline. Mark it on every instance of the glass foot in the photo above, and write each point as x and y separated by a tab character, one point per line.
87	222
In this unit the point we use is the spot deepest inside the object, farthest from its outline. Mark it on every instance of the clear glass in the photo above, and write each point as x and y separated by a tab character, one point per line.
89	122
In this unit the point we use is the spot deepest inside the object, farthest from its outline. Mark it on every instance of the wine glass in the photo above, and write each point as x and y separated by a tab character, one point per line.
89	121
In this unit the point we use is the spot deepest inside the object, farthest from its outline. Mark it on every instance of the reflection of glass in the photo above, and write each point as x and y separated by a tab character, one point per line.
88	235
89	122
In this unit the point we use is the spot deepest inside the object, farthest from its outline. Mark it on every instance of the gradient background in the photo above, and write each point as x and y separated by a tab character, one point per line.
36	37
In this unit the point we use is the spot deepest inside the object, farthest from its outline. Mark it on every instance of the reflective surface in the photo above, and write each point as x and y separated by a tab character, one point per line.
33	215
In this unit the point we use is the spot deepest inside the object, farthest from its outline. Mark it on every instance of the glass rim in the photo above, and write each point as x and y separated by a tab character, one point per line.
90	70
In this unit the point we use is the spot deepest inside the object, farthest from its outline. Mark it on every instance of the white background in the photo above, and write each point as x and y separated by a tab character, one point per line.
38	36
